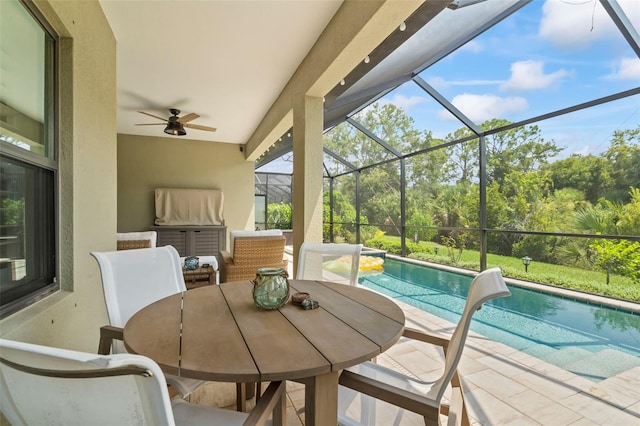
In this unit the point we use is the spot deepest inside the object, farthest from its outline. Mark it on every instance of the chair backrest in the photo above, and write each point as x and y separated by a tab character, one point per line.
124	237
260	251
329	262
241	233
45	385
486	286
133	279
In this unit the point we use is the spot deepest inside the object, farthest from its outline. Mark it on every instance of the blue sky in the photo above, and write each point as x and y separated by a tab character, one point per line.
549	55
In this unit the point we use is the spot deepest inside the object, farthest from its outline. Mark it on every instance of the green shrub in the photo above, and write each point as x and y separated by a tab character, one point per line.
383	243
569	277
279	215
392	245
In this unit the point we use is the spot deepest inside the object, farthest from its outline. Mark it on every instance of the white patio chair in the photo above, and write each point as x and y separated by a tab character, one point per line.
133	279
369	391
329	262
45	385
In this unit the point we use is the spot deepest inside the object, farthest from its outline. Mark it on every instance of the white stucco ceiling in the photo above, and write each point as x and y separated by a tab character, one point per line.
224	60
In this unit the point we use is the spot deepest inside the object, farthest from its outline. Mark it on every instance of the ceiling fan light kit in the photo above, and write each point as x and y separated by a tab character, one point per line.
176	125
175	129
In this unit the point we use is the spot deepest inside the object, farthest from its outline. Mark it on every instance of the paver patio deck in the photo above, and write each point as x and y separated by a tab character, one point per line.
506	387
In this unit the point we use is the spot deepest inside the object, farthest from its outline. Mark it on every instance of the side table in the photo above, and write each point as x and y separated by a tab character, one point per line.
195	278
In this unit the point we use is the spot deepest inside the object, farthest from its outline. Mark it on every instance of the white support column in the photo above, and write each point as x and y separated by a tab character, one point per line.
307	172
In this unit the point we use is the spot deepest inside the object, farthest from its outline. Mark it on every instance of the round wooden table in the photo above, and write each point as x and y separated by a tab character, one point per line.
217	333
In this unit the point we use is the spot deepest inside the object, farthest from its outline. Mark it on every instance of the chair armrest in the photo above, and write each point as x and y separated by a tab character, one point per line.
384	391
107	334
422	336
226	257
272	400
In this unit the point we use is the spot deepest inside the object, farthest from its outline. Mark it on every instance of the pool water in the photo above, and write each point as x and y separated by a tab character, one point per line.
592	341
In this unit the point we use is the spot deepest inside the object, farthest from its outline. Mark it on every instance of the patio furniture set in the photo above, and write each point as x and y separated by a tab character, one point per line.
185	327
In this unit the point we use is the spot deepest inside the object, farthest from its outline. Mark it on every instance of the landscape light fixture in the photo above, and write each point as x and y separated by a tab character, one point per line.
435	249
526	261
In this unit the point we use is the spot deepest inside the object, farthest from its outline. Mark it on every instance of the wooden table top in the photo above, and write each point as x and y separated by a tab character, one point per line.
225	337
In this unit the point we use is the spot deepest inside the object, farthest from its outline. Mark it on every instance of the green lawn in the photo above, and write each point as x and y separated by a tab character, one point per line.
589	281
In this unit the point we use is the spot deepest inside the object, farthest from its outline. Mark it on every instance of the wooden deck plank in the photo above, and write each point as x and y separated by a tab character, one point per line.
371	299
341	345
365	319
206	345
163	348
269	335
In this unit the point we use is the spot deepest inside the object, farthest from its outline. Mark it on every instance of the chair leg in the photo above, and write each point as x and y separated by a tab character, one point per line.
432	418
244	392
457	415
241	397
251	389
258	388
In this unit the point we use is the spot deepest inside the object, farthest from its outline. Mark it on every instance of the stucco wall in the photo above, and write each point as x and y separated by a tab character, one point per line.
146	163
87	180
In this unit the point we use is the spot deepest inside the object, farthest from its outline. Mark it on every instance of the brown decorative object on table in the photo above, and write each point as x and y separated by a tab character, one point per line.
298	298
309	304
304	300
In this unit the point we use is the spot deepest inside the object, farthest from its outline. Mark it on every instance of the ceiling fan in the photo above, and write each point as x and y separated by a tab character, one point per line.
175	124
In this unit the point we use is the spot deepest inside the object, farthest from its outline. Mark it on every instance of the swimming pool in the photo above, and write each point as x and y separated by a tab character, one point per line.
592	341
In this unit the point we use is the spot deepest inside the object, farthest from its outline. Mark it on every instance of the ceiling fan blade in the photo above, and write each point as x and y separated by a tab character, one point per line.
154	116
199	127
150	124
189	117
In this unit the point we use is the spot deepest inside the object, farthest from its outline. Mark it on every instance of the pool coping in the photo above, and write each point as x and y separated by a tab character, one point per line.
545	288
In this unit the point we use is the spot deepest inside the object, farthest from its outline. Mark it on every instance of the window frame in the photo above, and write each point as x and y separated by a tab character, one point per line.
48	163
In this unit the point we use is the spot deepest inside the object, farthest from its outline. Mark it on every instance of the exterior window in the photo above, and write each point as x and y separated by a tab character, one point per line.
28	161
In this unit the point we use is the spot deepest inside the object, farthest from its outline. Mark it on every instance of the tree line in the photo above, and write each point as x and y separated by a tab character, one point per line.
527	189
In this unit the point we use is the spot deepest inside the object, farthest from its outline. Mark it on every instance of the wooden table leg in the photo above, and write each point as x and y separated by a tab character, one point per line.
321	399
280	411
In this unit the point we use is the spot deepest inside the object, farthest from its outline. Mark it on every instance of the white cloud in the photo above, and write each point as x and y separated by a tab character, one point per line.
626	69
529	75
574	24
480	108
405	102
438	83
475	82
473	46
584	151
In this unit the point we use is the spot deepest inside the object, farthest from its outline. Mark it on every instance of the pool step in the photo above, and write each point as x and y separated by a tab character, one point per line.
594	365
